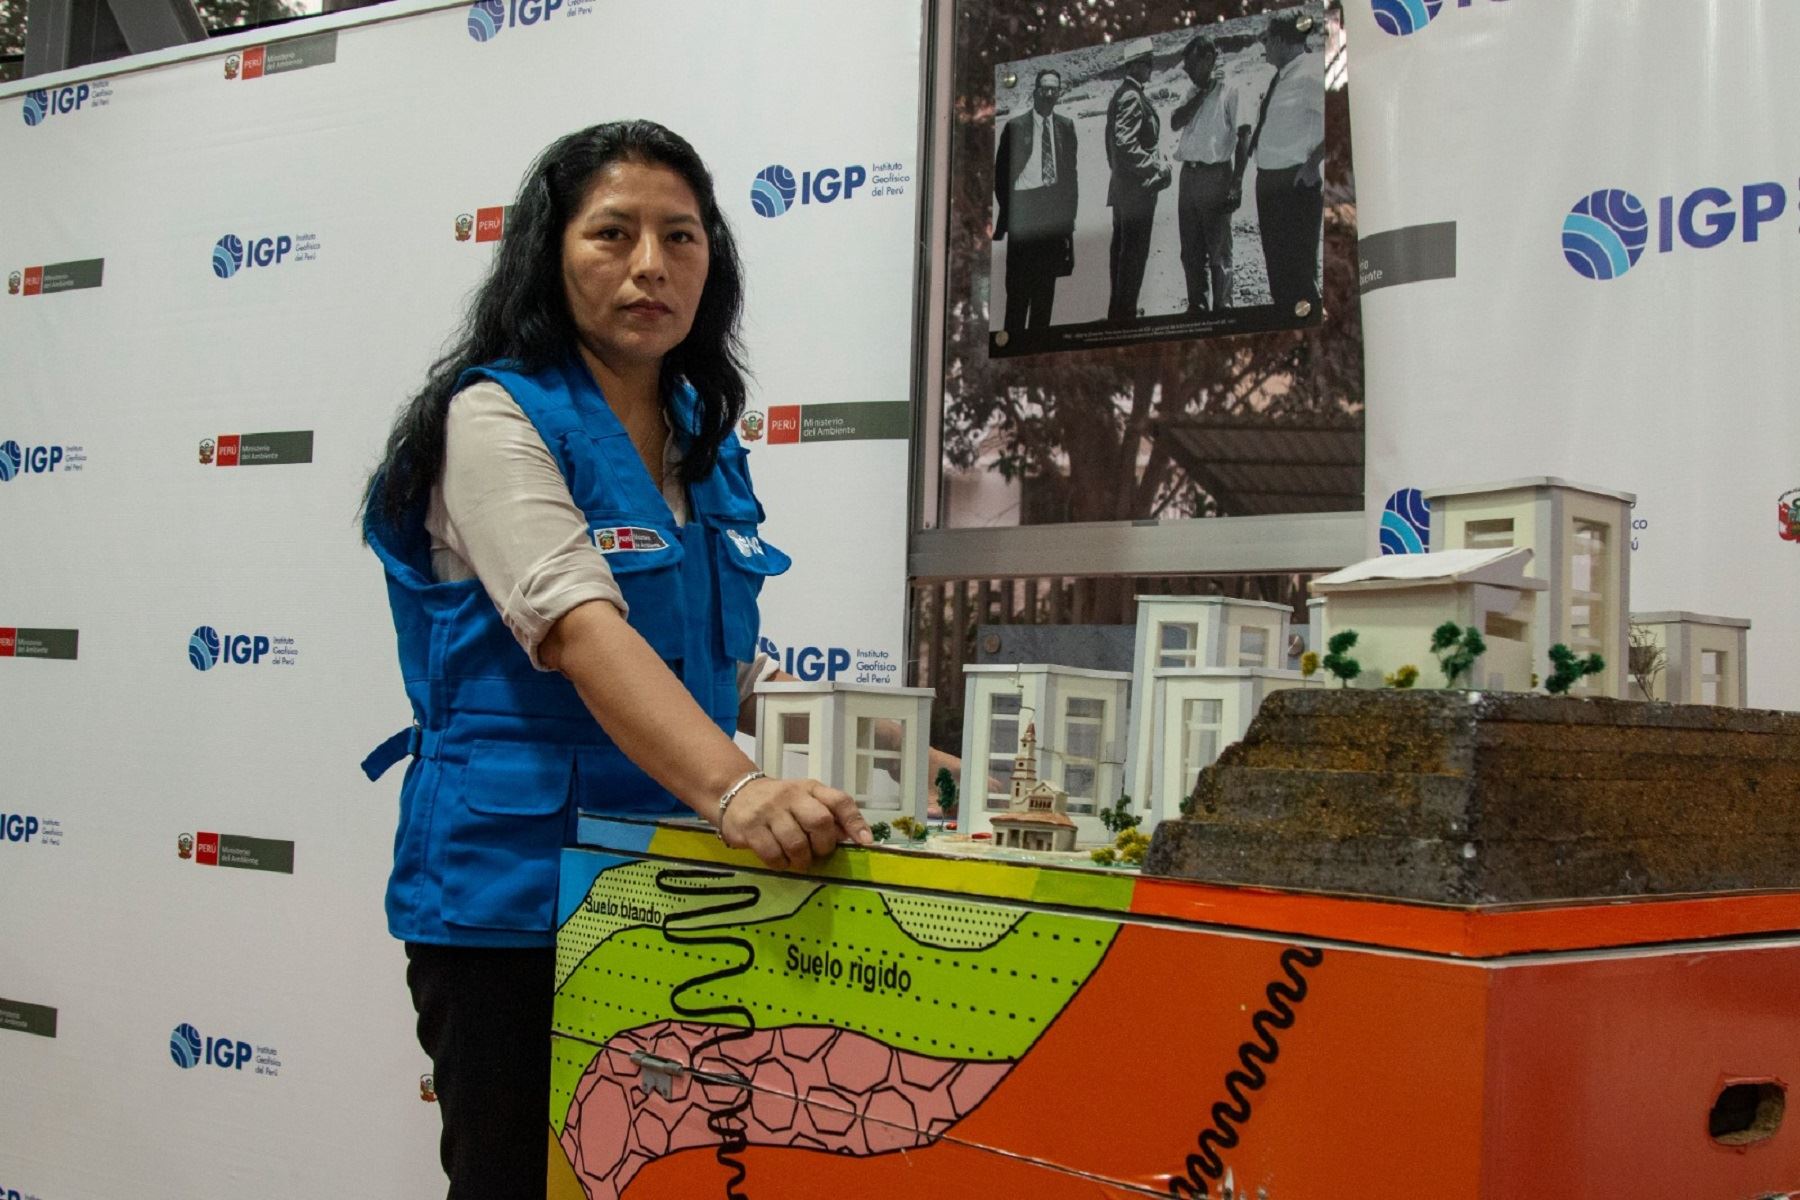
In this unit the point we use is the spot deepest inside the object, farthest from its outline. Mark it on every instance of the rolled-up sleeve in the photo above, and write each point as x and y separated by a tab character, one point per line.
502	513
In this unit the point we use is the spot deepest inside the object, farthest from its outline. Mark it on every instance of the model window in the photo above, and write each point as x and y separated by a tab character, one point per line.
1253	647
796	745
1504	628
1712	675
1003	746
1199	741
1083	722
1587	593
1180	645
877	777
1496	534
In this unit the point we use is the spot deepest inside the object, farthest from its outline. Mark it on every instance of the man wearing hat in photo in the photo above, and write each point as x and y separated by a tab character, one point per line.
1133	131
1288	147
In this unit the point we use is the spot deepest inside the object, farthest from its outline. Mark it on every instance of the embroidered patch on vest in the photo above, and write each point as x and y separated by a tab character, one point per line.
746	546
620	539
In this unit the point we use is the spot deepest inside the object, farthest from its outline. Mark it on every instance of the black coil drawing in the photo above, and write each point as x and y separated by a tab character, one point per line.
727	1121
1253	1055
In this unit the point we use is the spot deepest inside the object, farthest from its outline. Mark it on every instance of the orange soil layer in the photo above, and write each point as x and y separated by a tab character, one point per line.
1587	1079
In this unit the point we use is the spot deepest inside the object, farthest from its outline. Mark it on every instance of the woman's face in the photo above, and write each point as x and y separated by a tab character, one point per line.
634	261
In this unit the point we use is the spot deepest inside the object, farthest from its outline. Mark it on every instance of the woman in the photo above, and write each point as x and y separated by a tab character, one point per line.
572	555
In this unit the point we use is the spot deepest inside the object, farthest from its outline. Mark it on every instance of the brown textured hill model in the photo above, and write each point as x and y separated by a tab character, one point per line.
1476	798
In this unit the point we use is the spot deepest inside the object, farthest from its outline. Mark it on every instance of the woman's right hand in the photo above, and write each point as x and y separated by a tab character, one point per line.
789	823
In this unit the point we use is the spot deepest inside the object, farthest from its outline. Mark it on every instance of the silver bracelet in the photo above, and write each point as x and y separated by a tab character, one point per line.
731	794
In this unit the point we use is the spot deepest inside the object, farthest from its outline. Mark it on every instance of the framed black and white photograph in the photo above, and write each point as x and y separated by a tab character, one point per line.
1160	187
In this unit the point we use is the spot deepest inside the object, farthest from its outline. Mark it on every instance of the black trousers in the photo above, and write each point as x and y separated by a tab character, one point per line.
1289	216
1132	219
484	1020
1204	218
1031	267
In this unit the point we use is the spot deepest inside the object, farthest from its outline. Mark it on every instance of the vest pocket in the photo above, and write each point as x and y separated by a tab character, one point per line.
503	831
742	561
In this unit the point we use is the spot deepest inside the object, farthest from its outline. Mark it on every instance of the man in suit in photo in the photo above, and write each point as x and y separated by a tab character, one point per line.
1289	148
1035	185
1133	131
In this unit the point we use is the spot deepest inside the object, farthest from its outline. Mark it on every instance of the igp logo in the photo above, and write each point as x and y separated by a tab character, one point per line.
1604	234
204	648
41	105
774	190
808	663
231	253
1607	231
189	1049
28	460
486	19
1401	17
1405	523
16	827
208	648
1404	17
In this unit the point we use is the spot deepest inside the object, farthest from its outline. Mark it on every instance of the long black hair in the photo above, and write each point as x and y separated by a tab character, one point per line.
520	313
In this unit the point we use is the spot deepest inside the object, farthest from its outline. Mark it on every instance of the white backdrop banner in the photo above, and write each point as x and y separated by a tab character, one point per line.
1579	223
223	275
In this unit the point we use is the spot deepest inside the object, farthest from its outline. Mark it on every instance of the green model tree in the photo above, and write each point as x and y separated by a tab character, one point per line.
881	831
1338	660
1119	817
1129	848
946	790
1456	649
910	829
1567	669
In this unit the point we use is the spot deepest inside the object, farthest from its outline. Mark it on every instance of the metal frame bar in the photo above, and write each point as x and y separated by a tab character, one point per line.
1210	546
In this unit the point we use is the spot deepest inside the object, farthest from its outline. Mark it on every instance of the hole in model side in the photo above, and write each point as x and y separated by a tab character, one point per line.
1747	1112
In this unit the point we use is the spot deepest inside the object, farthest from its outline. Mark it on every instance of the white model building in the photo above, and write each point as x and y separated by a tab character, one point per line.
870	741
1395	602
1703	658
1037	812
1081	714
1190	654
1203	710
1580	537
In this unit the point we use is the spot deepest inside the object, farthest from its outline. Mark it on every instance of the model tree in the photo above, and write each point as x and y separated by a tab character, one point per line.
1129	847
1404	677
910	829
1119	817
946	790
1456	649
1647	659
1338	660
881	831
1309	664
1568	668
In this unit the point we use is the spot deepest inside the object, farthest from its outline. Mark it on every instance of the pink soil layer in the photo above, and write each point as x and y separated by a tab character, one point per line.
827	1089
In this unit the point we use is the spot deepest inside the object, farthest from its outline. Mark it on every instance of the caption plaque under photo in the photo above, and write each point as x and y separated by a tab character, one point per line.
1160	188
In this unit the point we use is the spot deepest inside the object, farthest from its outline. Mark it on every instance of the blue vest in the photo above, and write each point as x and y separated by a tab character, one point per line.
504	754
